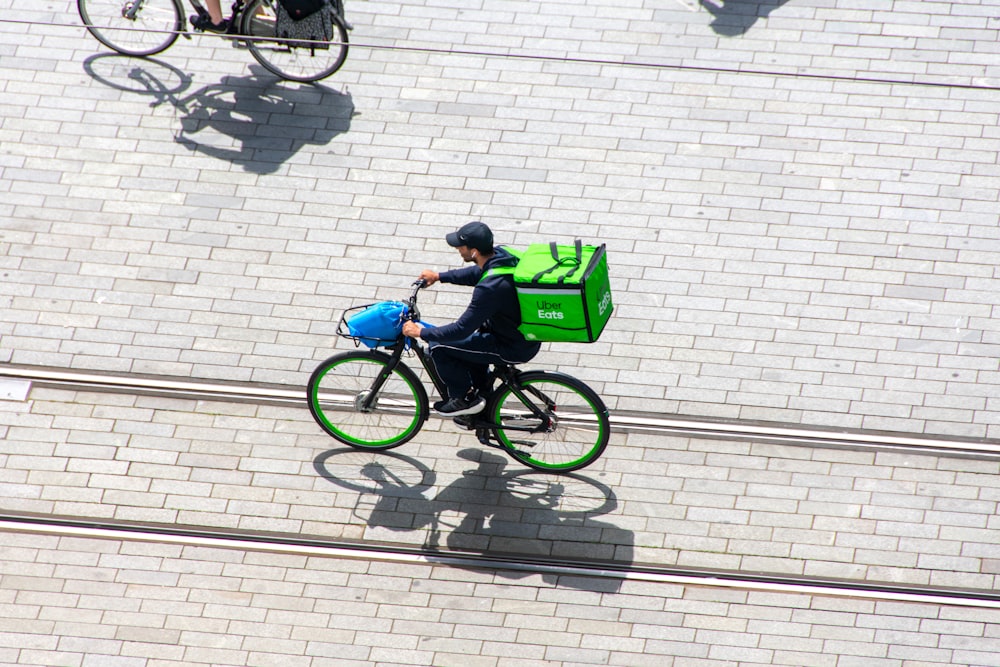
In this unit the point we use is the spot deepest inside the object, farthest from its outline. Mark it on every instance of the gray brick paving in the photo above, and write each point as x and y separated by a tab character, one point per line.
812	250
815	250
655	499
103	602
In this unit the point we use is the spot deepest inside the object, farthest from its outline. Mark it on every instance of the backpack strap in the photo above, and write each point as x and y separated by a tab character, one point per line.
560	262
502	270
578	262
513	252
498	271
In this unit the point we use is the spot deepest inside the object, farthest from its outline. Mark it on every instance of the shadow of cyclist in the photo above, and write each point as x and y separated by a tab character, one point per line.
256	121
733	18
492	512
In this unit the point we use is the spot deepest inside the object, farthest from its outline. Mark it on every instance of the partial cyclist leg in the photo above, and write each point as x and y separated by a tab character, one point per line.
464	365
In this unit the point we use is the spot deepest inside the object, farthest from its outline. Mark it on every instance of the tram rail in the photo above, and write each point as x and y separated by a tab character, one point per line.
72	527
647	422
16	382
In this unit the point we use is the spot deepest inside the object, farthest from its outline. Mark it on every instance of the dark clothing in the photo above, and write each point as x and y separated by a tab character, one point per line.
486	333
493	308
465	364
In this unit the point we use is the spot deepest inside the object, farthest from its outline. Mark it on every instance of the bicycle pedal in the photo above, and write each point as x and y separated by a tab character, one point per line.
464	422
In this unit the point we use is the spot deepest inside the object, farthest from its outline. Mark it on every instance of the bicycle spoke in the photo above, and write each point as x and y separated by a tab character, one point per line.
133	27
574	434
292	60
340	401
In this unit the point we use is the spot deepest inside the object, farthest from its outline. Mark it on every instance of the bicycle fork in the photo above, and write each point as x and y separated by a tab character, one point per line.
130	9
368	402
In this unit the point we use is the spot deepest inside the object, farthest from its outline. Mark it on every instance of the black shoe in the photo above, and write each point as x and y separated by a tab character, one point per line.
455	407
204	22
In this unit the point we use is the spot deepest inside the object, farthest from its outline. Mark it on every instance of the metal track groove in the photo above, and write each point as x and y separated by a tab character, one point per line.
653	423
322	548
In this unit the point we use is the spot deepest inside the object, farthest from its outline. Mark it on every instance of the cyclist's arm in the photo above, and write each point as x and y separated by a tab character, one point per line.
482	307
468	276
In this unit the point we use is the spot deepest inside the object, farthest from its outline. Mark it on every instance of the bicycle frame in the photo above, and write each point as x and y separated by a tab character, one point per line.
125	26
507	376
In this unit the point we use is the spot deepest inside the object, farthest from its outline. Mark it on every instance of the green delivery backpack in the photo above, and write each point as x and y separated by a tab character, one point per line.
564	291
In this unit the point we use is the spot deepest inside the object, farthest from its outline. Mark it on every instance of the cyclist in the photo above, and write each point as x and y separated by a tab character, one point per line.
486	333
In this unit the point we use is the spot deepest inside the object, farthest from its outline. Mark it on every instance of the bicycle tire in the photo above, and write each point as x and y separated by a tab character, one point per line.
290	62
338	386
153	27
579	431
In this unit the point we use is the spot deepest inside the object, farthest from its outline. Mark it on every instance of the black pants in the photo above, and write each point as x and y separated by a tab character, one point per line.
464	364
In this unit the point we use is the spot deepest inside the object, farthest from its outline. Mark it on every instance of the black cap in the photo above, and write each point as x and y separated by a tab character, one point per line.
473	235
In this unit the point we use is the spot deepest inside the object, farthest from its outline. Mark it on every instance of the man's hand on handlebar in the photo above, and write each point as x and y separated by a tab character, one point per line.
429	277
411	329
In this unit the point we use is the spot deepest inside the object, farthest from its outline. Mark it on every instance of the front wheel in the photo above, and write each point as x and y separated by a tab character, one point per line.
283	57
573	433
133	27
340	400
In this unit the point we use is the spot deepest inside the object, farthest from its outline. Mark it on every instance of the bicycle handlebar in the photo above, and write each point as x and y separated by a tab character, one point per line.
412	313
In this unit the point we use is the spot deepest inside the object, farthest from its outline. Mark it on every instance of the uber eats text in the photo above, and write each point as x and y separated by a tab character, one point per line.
548	310
605	302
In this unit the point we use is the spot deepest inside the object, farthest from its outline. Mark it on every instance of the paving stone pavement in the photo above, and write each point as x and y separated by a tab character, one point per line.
817	249
649	499
72	601
800	201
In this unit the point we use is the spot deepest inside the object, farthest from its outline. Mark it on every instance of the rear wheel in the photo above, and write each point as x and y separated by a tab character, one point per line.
294	63
133	27
338	394
573	433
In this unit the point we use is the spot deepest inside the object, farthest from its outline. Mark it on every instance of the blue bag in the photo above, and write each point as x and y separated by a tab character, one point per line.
378	325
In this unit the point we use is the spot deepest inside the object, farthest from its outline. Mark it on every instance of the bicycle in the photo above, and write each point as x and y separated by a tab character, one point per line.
371	400
146	27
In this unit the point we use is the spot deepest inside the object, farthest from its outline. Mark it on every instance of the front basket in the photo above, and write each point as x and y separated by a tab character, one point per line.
374	324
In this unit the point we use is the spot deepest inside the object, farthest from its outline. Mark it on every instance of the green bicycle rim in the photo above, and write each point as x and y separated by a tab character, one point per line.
350	439
592	453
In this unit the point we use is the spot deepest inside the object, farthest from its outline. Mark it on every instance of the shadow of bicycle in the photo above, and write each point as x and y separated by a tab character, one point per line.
254	121
487	510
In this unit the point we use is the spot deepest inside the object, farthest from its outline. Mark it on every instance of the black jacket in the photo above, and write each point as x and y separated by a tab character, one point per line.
494	307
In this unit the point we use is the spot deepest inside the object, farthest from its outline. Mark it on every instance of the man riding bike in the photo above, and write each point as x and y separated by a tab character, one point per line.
486	333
